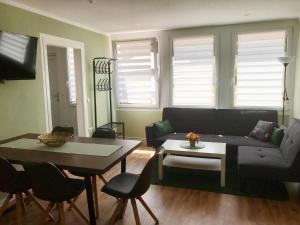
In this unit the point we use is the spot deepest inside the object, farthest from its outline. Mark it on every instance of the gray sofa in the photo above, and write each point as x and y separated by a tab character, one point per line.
276	163
230	126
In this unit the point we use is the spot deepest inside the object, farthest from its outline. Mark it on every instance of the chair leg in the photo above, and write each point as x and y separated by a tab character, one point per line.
79	212
38	204
102	178
94	184
5	204
19	208
61	213
46	213
148	210
74	200
115	214
135	211
22	204
125	201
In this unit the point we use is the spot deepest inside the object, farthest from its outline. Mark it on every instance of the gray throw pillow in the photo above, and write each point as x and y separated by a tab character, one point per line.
262	131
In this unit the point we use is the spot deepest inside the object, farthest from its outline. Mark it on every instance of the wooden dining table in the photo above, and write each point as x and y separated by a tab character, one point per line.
89	164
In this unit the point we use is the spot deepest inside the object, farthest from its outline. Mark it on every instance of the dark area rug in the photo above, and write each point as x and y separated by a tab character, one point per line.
210	181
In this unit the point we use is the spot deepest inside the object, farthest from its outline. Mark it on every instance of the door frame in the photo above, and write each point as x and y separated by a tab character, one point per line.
82	99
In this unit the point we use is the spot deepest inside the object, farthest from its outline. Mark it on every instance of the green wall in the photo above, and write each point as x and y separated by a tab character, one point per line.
21	102
136	120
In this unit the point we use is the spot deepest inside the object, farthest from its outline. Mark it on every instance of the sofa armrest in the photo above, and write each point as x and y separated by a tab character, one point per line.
150	134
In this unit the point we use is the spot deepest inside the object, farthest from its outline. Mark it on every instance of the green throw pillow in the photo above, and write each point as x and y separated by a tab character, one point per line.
163	128
277	136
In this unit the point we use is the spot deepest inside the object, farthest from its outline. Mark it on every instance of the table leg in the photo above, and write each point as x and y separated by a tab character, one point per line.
223	171
90	199
123	165
160	165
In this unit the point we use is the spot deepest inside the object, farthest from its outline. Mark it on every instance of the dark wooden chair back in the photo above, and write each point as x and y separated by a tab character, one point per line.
63	130
8	175
47	180
104	134
144	180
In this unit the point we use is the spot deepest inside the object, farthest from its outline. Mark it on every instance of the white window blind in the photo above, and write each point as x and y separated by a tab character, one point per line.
71	76
194	71
259	74
137	73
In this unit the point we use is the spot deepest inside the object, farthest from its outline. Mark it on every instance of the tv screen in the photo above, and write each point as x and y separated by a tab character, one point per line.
17	56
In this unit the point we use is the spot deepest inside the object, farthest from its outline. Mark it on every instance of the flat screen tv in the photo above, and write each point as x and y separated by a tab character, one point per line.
17	56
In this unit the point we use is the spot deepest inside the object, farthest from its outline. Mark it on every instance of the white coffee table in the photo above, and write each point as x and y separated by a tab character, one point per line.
211	157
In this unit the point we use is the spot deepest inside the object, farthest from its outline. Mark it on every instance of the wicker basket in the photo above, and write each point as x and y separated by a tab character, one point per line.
53	140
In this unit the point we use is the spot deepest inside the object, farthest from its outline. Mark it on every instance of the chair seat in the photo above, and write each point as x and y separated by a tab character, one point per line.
22	183
121	185
71	189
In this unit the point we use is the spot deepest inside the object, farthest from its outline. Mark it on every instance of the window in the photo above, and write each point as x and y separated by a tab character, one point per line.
71	76
259	75
194	72
137	73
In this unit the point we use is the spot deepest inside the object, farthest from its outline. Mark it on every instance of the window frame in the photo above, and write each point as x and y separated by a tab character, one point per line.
72	104
157	78
234	54
215	75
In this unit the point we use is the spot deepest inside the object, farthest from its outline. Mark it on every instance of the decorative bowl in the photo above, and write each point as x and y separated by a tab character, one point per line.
53	140
186	145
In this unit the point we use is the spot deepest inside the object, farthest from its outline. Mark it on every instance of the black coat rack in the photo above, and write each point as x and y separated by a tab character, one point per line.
103	67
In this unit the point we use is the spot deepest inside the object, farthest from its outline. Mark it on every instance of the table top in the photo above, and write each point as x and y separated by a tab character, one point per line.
211	149
76	162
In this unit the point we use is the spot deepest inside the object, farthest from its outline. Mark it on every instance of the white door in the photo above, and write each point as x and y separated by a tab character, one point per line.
63	112
52	64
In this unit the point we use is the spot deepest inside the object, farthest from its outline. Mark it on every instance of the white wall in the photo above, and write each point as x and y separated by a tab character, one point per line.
296	113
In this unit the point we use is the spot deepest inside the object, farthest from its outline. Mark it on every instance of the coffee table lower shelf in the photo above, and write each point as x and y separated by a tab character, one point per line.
191	163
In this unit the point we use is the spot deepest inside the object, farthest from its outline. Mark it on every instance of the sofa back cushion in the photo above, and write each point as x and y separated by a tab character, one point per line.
191	119
249	119
290	147
228	122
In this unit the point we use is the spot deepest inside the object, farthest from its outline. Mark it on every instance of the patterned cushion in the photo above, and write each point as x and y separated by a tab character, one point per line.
262	131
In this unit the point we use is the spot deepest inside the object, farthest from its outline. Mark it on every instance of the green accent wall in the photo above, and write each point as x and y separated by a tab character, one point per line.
137	120
21	102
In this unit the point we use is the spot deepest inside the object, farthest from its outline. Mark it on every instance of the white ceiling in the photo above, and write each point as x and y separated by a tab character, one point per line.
113	16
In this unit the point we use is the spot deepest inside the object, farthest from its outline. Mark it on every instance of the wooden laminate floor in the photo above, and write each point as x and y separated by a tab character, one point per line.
174	206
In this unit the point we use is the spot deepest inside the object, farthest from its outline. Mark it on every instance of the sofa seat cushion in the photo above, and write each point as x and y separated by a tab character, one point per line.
237	140
229	140
261	162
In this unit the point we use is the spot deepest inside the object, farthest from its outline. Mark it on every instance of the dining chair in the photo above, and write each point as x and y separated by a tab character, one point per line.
70	131
127	186
49	184
16	183
63	130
